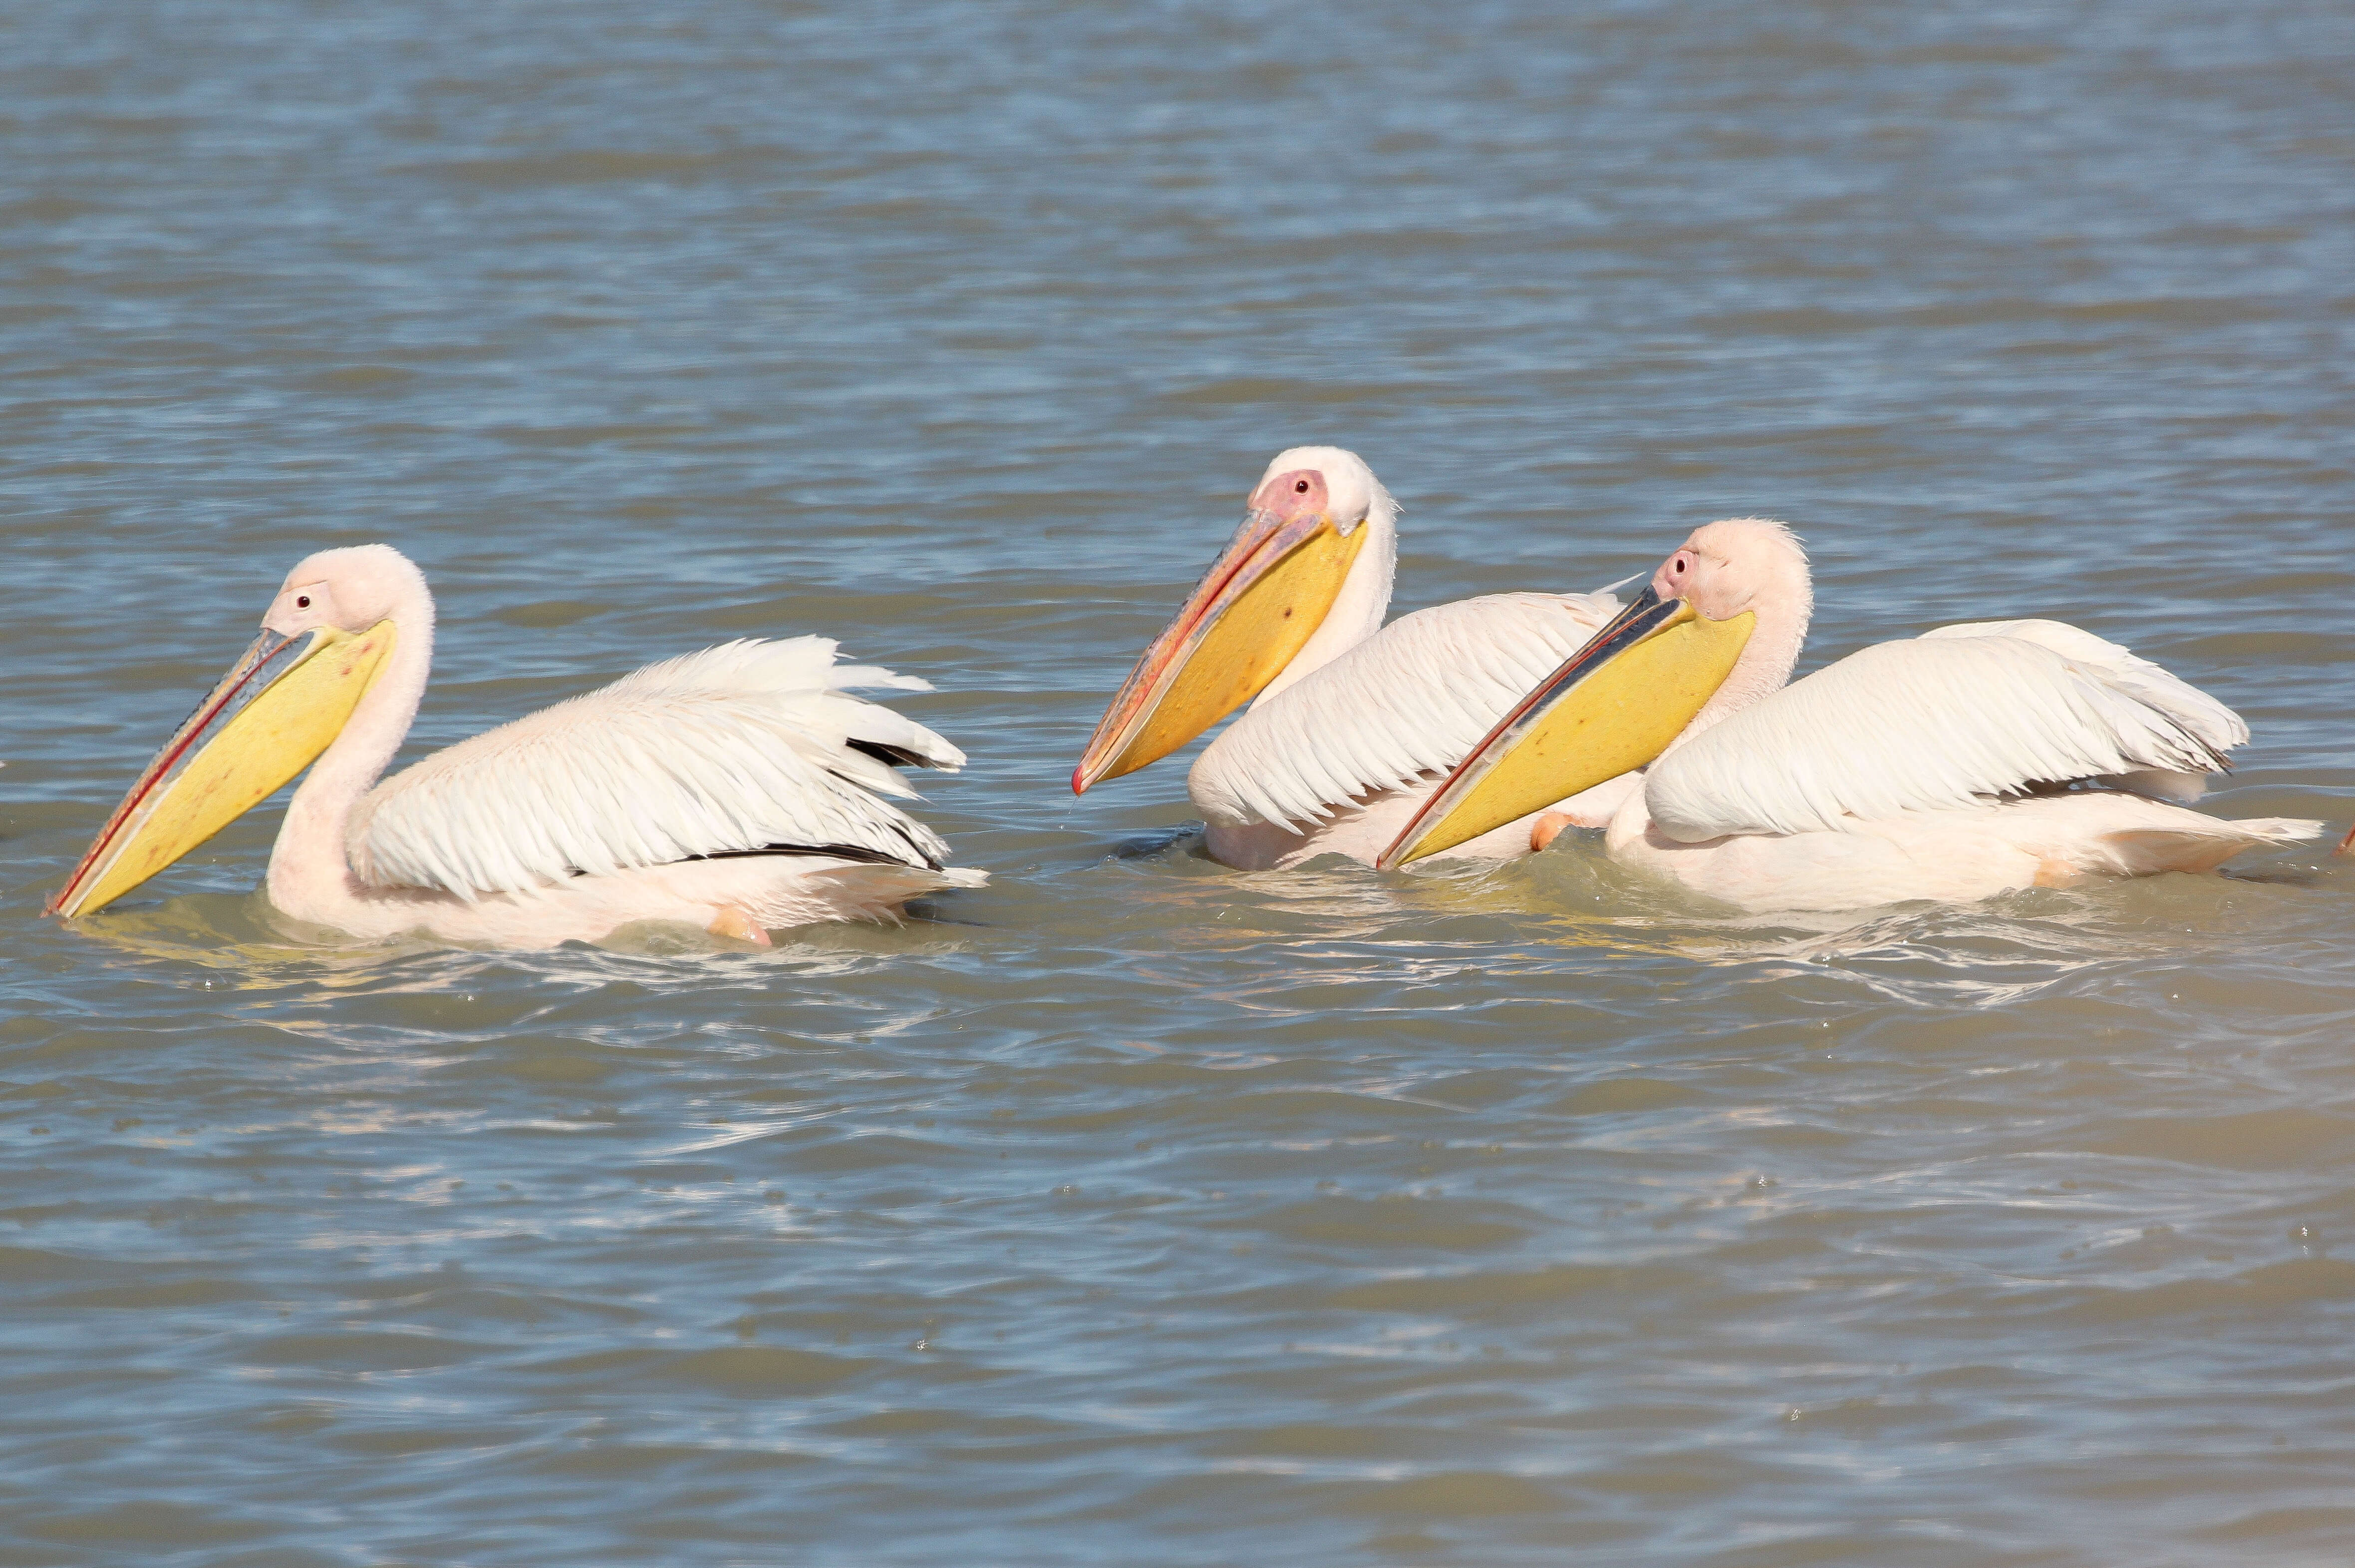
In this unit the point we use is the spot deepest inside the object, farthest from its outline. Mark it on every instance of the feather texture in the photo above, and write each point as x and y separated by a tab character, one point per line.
739	747
1959	714
1415	696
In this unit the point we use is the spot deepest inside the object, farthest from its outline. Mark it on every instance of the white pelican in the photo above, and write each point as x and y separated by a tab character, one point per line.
1352	723
1954	765
734	789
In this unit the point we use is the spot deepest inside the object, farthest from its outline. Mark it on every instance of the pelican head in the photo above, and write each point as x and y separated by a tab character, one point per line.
1672	662
1262	600
324	641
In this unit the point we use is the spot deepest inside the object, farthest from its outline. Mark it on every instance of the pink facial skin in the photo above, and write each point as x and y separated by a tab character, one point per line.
1674	579
1300	492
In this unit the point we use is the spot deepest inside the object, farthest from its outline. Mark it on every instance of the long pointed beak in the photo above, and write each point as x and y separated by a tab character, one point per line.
1613	705
278	708
1262	599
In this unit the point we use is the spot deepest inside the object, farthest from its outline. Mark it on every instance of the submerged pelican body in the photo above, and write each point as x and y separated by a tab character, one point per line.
737	789
1352	724
1961	763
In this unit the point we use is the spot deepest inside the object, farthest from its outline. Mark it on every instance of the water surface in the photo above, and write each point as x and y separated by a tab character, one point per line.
1134	1211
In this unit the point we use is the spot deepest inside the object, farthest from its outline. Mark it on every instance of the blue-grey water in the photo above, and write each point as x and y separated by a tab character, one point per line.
1133	1210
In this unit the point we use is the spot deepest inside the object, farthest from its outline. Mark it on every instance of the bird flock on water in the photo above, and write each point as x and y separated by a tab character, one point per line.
746	788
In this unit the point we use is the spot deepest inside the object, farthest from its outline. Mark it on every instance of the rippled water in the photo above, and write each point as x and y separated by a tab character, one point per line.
1134	1211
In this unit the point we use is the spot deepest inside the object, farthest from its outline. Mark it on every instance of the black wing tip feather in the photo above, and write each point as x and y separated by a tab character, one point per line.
859	852
891	755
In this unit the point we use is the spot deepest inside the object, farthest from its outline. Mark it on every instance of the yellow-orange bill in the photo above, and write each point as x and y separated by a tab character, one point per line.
1613	705
1262	599
278	708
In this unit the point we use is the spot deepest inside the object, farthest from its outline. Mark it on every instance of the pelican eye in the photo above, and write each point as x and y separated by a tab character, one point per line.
1300	485
302	602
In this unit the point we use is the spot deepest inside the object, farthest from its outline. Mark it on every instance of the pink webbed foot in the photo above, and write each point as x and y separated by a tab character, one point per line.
734	922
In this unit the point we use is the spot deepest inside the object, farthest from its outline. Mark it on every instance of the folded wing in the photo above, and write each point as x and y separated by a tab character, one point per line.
1959	714
1415	696
749	746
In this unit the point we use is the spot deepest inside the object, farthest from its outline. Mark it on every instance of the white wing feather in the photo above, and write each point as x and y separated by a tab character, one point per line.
735	748
1416	696
2213	723
1958	714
